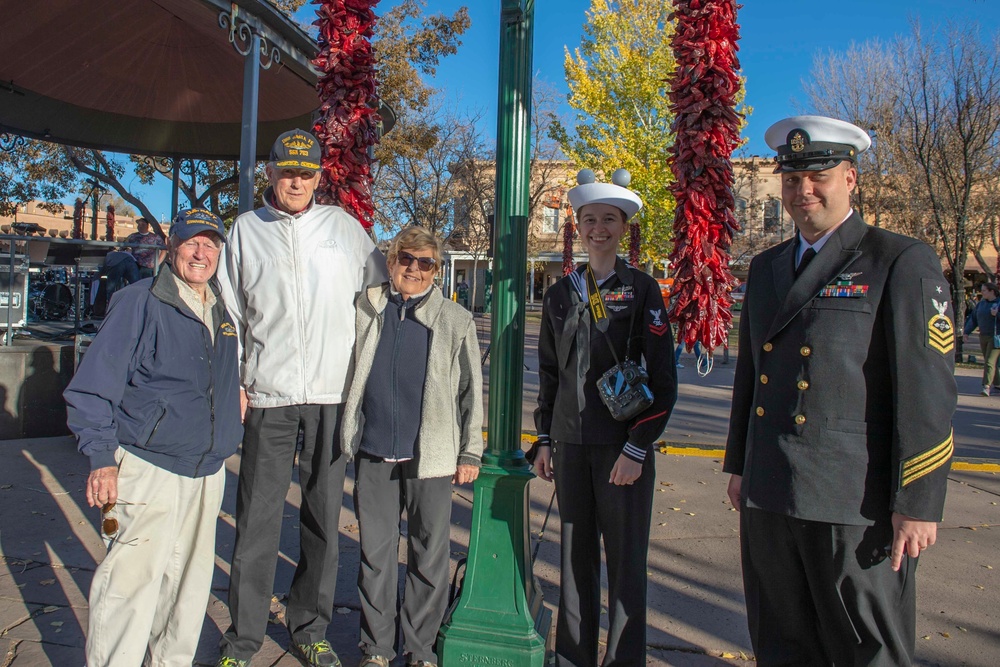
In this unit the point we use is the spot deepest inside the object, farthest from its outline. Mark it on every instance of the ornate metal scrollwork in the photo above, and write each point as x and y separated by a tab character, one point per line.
241	37
10	140
164	165
268	59
240	32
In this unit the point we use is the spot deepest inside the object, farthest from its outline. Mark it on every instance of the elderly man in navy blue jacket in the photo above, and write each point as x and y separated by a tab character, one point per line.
155	405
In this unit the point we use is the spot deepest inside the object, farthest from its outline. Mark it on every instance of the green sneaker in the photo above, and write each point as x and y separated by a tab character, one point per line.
226	661
319	654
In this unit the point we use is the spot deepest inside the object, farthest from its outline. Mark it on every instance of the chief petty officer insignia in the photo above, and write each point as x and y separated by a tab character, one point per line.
798	140
940	329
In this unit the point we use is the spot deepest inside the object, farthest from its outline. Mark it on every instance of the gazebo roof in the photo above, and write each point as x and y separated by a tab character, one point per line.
156	77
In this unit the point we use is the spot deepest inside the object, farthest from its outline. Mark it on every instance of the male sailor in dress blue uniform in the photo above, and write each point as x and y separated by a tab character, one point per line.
840	439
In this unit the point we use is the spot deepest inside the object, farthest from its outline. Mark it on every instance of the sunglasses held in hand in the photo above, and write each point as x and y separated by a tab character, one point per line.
109	522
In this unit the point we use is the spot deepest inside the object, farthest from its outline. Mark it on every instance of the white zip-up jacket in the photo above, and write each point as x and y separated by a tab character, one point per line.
290	282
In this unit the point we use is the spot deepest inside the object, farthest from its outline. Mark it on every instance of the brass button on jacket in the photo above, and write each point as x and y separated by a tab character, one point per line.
760	412
803	385
768	347
805	350
800	419
763	379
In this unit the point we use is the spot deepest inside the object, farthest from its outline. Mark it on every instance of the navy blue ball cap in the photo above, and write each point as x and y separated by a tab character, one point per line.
191	221
296	149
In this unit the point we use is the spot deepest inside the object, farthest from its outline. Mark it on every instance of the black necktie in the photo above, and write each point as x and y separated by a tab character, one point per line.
807	257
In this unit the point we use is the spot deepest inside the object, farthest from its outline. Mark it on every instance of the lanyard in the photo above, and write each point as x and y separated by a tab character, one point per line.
596	301
600	315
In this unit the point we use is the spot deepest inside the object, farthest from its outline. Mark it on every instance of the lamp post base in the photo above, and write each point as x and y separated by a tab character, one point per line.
499	619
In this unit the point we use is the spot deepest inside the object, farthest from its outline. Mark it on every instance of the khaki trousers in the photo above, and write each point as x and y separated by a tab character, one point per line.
149	594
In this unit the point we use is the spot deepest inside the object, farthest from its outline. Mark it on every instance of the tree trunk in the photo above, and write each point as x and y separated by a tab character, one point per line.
474	285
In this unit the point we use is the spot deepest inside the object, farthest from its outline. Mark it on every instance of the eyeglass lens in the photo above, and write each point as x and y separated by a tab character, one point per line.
109	524
425	263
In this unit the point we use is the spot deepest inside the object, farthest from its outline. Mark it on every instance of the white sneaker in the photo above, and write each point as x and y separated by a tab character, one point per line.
986	390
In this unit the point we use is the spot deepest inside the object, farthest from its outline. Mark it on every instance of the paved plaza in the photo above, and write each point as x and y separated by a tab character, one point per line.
50	546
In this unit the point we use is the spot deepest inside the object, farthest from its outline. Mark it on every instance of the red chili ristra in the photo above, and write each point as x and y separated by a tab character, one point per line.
348	104
109	224
706	126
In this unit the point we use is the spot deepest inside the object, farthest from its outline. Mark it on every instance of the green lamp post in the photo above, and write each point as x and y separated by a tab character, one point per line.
499	619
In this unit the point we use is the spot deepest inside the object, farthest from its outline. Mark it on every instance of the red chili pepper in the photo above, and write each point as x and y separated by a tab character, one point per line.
706	128
348	108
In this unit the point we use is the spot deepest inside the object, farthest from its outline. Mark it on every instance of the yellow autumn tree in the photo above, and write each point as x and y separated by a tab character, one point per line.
618	79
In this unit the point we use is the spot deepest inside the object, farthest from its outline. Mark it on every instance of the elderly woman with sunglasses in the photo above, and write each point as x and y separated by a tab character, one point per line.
413	424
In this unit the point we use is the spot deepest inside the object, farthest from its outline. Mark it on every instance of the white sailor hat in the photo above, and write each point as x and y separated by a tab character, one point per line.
615	193
814	143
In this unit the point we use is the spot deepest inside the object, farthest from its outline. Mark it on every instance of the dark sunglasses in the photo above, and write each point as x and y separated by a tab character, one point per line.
425	263
109	522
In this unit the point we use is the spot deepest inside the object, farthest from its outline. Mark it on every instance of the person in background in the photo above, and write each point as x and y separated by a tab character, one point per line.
146	258
984	317
604	469
680	349
119	270
156	407
413	423
840	437
292	271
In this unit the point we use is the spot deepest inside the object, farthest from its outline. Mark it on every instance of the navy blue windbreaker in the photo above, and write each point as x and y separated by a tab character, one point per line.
154	383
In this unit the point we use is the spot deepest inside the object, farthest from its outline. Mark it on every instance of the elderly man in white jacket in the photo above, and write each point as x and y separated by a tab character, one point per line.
292	271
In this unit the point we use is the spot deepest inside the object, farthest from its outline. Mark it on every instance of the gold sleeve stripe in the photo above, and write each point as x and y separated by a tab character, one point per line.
930	466
920	458
927	462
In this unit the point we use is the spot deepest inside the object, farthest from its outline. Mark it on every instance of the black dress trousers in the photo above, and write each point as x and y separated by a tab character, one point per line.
269	445
591	508
825	594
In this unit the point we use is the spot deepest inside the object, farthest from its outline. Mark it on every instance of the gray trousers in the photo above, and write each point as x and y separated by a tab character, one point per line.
265	474
825	594
990	357
591	508
382	491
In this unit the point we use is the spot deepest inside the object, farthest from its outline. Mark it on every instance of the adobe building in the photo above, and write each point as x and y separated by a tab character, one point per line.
468	251
758	208
60	223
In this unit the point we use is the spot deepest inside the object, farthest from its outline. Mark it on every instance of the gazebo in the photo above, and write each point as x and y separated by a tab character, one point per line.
173	78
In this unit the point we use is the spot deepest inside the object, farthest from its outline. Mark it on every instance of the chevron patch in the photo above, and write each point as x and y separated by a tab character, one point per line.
937	309
941	334
658	330
927	462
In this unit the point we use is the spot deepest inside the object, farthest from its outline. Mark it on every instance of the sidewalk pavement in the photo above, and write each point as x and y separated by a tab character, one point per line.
49	547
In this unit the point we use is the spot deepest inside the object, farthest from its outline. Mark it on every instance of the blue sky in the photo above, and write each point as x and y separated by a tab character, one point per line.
776	49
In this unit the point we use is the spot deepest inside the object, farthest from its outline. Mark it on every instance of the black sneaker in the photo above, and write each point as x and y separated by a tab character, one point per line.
318	654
